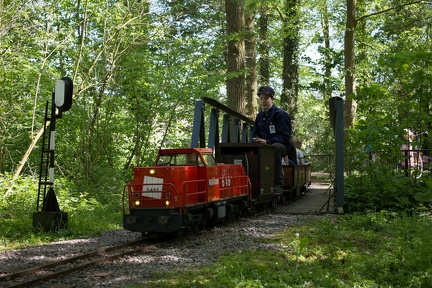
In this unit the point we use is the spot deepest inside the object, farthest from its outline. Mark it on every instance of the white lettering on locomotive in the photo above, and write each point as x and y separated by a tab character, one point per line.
226	182
150	190
212	181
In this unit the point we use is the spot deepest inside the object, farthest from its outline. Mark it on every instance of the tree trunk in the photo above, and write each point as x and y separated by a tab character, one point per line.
235	55
263	48
251	78
290	60
350	106
327	90
24	159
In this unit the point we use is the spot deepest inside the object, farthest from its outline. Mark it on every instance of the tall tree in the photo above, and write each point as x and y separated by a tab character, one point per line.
350	106
251	78
328	63
290	56
263	47
235	82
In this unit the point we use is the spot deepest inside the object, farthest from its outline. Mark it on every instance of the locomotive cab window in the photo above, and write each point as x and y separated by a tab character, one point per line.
186	159
178	160
165	160
191	159
209	160
194	160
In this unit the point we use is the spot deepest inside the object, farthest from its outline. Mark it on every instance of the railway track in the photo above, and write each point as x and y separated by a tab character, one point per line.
43	273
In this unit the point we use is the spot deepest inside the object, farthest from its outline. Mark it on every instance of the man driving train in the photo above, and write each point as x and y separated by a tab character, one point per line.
273	126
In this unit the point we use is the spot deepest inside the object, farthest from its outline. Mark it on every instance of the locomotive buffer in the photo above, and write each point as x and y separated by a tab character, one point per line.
49	217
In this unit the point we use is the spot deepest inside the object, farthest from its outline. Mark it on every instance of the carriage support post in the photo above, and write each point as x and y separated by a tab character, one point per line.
336	122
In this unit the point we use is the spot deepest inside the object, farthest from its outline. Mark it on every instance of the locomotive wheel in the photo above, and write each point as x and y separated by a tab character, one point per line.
196	227
195	221
244	209
203	220
179	233
230	212
152	235
190	223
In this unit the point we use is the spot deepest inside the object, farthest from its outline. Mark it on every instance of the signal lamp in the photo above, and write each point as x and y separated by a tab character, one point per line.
63	94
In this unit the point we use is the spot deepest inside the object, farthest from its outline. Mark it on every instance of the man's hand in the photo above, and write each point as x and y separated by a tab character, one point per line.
260	140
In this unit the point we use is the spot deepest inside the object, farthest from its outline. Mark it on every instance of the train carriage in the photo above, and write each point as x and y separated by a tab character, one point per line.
258	162
297	179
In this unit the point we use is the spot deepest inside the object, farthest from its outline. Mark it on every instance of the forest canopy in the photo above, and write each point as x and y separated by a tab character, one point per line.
139	66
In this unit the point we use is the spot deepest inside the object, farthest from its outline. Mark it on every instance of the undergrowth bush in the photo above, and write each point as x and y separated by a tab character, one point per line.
380	187
372	182
90	211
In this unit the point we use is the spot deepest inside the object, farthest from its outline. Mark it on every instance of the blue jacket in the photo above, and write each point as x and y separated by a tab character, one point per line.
274	126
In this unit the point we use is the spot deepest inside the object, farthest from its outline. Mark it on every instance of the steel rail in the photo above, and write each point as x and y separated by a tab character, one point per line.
100	252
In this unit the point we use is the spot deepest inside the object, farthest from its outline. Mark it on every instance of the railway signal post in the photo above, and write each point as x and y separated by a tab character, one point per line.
49	217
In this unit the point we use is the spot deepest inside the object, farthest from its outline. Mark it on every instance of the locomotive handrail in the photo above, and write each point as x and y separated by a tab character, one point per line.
240	186
132	184
193	193
184	200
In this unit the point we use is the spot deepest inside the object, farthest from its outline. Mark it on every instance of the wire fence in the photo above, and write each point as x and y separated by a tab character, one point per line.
325	163
321	163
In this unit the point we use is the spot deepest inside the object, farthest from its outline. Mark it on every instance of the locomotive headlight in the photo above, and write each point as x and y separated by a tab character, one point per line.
167	203
152	171
137	202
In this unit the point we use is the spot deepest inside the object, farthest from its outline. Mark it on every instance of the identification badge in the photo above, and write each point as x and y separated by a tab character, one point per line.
272	129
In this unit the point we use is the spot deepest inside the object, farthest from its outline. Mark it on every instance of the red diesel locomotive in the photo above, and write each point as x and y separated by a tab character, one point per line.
187	190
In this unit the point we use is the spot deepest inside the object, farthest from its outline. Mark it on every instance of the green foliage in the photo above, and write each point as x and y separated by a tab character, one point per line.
387	106
89	213
373	182
312	126
383	188
425	196
361	250
139	65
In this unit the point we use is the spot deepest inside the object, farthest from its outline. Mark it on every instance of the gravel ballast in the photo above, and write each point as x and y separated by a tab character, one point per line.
195	250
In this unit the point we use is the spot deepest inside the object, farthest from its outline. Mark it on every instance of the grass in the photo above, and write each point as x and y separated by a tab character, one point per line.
372	250
89	213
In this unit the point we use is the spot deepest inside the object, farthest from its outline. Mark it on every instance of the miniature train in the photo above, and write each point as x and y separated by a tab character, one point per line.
187	190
